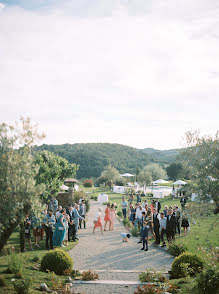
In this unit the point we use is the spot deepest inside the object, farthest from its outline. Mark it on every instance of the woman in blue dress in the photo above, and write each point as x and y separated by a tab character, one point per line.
132	214
60	231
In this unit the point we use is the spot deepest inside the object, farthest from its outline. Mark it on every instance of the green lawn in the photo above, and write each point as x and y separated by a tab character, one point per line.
31	269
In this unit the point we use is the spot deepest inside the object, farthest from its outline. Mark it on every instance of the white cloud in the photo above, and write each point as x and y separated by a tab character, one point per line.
134	72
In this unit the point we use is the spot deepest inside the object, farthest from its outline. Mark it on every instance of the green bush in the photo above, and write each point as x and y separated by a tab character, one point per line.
186	264
22	286
135	232
35	258
88	183
208	281
57	261
15	264
2	281
152	276
177	249
87	203
126	223
119	213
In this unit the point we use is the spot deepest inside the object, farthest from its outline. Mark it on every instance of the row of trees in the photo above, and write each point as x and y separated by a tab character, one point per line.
27	180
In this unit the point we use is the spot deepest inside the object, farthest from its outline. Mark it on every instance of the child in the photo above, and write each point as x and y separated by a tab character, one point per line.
144	234
125	237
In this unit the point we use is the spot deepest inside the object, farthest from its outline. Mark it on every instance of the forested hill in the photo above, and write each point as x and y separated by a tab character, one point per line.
162	155
93	157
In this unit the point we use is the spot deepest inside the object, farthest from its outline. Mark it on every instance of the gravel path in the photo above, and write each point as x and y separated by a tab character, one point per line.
108	252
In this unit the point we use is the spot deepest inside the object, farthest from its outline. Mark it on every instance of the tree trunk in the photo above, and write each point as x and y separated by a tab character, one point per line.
6	234
22	237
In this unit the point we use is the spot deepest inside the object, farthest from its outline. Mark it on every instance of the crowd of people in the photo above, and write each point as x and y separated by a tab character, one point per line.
59	224
151	220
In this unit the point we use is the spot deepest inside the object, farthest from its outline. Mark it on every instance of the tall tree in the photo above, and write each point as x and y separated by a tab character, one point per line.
53	170
110	175
202	155
144	178
174	170
19	193
157	172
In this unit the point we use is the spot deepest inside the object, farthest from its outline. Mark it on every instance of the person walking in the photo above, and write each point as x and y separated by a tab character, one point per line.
124	206
97	221
185	221
49	223
183	201
76	220
107	216
112	216
144	235
59	234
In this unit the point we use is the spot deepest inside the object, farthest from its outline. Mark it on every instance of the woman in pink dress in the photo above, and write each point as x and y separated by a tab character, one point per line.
112	216
97	221
107	216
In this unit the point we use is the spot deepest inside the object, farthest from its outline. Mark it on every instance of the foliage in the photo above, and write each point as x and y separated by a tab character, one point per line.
53	170
88	183
57	261
19	192
186	264
15	263
94	157
176	249
2	281
174	170
119	213
152	276
89	275
148	289
203	156
126	223
144	177
110	175
135	232
208	281
22	286
157	172
36	258
93	198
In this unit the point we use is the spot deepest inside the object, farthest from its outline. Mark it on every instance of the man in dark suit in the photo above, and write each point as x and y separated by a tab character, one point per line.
171	226
71	229
183	202
158	206
144	235
156	222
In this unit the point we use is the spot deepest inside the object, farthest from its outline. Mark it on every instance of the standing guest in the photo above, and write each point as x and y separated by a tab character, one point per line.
59	234
132	214
27	230
67	221
36	231
138	197
171	226
183	201
156	222
157	205
44	213
71	225
124	206
53	204
76	219
97	221
152	206
49	222
163	226
82	212
138	215
144	234
177	213
165	211
107	216
149	220
185	221
145	205
131	198
58	212
143	218
112	216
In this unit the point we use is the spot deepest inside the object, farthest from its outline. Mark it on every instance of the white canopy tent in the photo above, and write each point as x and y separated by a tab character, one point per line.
64	187
127	175
160	181
179	182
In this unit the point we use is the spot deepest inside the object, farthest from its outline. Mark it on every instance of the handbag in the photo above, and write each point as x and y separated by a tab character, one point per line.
95	222
60	228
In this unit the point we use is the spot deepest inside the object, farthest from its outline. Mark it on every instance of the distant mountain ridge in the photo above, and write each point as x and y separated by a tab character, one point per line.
93	157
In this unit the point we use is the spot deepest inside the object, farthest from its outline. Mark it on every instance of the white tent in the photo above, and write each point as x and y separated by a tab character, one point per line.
179	182
64	187
119	189
160	181
127	175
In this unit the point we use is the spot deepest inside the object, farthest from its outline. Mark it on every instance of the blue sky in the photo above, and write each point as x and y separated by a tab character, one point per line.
133	72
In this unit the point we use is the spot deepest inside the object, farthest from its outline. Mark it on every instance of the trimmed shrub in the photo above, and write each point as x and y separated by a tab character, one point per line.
208	281
22	286
186	264
88	183
57	261
177	249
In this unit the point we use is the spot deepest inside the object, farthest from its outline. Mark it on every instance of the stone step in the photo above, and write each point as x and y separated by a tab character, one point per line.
109	282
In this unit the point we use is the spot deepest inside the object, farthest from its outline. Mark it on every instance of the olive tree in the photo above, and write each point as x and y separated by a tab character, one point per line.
144	178
202	154
157	172
19	193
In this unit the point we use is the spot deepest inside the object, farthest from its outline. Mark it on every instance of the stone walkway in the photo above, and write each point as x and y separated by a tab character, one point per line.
113	259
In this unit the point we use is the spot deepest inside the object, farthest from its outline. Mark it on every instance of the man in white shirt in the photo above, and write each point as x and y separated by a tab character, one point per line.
163	226
138	215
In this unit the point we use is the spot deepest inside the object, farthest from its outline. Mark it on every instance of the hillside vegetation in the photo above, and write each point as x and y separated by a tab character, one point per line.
93	157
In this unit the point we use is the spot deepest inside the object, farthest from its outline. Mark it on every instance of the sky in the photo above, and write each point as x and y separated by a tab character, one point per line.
134	72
